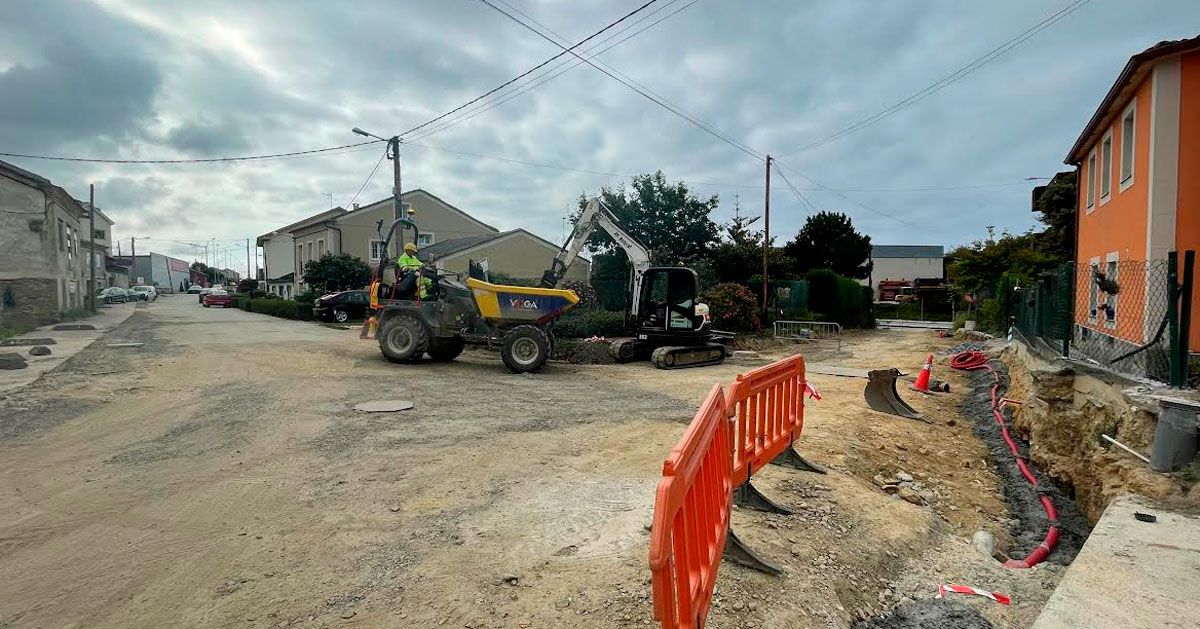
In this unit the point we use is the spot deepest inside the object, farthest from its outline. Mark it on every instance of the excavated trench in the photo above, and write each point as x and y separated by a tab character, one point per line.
1025	507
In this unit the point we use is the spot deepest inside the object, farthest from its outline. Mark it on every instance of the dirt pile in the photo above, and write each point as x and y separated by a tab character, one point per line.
1064	415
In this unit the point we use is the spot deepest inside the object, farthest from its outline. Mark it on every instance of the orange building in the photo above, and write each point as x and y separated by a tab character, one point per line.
1138	163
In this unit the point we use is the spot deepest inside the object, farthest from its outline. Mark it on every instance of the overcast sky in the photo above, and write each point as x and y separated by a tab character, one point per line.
148	79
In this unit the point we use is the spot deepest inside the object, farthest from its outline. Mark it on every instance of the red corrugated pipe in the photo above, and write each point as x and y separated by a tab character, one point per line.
973	361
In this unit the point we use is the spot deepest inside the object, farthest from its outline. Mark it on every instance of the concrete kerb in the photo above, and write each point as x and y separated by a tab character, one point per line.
66	343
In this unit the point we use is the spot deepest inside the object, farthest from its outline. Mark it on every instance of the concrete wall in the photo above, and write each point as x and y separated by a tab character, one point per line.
40	237
904	269
519	255
279	256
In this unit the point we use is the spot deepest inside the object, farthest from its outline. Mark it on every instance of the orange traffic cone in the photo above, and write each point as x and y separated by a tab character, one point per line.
922	383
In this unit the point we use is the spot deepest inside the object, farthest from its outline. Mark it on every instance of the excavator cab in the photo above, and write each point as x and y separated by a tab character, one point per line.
668	301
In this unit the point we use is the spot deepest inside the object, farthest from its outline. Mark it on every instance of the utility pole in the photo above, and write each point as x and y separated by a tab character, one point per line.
249	275
92	239
394	147
766	237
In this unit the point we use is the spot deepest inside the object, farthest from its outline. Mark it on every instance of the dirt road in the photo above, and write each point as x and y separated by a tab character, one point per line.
217	476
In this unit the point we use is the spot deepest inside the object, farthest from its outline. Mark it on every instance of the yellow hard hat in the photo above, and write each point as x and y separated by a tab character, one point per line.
409	247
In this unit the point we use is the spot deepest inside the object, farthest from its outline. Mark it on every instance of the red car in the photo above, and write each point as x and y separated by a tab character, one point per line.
218	297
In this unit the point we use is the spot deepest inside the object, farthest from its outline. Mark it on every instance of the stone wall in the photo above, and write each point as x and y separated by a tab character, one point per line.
29	300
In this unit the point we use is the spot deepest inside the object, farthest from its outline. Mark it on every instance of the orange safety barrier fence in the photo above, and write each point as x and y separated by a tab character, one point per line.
691	517
766	407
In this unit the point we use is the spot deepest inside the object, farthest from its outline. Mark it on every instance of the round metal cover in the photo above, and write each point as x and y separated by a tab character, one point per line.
383	406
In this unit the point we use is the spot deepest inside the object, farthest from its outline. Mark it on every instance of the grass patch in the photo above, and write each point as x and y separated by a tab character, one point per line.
9	329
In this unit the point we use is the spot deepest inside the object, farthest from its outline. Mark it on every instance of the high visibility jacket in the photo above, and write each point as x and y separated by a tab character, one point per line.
409	262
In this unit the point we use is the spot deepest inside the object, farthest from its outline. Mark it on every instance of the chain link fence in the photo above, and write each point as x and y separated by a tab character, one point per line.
1110	313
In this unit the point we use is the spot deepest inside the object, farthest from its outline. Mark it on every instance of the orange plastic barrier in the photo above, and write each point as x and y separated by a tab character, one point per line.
766	407
691	517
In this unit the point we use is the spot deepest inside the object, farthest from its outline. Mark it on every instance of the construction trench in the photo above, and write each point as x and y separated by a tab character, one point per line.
286	506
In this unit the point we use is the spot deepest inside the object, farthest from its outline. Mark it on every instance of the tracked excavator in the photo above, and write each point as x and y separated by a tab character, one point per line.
669	324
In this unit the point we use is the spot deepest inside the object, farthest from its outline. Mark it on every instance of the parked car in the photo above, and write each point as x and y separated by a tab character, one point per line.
113	295
194	288
343	306
204	291
217	296
145	293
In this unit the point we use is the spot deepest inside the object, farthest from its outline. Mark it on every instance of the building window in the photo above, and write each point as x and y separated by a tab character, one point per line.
424	240
98	234
1094	291
320	248
1091	180
1127	146
300	258
1110	303
310	258
62	242
70	248
1105	166
377	251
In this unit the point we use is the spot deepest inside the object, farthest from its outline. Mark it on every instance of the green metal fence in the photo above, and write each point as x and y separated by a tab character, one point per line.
1128	316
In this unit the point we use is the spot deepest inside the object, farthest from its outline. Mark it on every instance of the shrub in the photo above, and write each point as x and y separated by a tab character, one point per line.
247	285
839	299
586	323
282	308
307	297
733	307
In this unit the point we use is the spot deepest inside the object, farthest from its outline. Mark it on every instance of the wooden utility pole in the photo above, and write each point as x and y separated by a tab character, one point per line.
92	241
249	275
766	238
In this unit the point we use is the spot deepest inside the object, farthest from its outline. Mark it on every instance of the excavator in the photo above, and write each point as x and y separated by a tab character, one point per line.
670	325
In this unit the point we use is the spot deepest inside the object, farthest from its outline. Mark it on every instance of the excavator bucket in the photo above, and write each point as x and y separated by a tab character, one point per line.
881	394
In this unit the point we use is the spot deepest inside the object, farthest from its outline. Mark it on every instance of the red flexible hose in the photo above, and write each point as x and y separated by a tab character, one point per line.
974	361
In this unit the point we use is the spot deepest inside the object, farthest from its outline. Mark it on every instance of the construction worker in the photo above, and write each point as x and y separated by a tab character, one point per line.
409	261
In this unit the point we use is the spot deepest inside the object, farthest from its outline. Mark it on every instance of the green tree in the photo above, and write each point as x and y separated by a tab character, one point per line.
978	267
336	272
668	219
828	240
739	256
1057	203
247	285
209	273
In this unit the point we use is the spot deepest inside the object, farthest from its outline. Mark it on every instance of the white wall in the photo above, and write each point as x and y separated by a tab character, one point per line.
907	269
279	256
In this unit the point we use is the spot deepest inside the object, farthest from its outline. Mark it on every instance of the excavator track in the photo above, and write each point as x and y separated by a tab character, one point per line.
683	356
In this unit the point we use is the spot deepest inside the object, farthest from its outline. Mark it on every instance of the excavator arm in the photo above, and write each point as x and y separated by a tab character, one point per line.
594	215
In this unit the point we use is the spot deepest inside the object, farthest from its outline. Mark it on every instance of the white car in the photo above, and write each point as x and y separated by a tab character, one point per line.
194	289
145	293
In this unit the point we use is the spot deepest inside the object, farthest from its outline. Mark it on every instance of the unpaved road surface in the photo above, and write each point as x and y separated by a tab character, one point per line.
217	476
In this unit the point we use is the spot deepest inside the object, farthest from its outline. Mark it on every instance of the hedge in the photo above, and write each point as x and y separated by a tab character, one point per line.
840	299
283	308
582	324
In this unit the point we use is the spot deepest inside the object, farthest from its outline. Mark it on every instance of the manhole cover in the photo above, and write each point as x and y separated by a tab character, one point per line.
74	326
383	406
124	345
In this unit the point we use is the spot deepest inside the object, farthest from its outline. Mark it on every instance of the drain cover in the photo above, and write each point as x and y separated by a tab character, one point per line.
383	406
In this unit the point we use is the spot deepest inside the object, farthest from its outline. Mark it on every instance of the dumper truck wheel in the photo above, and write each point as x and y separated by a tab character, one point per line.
403	339
445	350
525	349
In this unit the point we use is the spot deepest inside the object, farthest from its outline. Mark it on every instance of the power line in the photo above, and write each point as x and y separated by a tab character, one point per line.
206	160
527	72
565	66
958	74
803	199
682	114
835	193
369	178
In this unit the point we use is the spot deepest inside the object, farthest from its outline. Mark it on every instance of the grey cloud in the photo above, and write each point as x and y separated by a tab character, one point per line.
75	93
209	138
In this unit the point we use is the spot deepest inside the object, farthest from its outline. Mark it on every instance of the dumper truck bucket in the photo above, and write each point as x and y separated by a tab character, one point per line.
881	394
514	305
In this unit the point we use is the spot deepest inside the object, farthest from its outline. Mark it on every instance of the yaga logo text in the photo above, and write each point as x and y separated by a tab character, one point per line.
523	304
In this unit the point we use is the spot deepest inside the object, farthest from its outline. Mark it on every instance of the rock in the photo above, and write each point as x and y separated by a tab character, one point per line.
753	606
951	422
966	464
881	481
12	361
394	508
738	606
348	614
510	579
910	495
984	542
891	489
904	477
39	350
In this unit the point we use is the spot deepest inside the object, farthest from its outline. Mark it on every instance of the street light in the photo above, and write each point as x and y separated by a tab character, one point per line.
394	147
